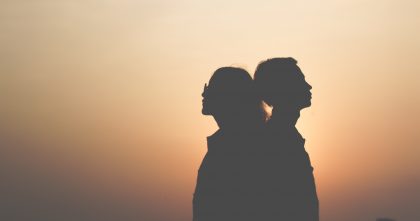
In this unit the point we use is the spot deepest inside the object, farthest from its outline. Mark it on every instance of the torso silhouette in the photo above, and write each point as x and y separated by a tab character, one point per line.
223	190
290	191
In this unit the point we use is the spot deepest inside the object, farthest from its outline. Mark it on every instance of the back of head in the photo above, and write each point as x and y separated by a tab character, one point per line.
231	81
274	74
231	91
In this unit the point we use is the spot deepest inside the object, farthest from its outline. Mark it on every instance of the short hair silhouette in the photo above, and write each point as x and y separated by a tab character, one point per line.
280	81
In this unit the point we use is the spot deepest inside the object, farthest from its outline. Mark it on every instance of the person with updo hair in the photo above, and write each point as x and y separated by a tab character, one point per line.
225	189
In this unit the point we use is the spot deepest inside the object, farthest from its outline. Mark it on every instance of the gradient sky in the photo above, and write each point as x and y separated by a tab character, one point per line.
100	102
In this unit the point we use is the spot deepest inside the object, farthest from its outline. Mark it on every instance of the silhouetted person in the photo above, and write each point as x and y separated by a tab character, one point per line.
287	172
224	188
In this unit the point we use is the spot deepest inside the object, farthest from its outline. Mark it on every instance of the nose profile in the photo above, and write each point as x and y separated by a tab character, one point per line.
309	86
204	91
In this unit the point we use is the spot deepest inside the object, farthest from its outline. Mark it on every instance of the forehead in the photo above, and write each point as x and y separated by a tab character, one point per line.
294	74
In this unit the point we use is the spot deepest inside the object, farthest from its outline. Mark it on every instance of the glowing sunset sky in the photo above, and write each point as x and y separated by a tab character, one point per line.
100	102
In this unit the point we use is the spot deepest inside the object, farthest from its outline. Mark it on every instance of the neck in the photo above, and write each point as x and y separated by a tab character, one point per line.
285	116
232	123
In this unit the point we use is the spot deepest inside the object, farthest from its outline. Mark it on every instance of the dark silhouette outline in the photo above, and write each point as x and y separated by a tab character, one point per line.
291	192
256	170
223	190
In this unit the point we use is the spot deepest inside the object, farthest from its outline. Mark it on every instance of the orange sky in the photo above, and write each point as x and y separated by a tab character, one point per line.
100	111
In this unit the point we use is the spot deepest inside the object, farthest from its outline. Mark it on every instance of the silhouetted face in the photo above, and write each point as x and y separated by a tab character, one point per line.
206	101
292	90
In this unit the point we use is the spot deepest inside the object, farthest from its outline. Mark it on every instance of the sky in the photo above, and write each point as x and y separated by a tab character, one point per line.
100	102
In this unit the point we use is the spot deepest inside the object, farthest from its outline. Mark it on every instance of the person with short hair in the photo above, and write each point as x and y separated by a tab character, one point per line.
290	186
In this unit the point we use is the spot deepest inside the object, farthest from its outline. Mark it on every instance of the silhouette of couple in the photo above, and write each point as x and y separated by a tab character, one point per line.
256	168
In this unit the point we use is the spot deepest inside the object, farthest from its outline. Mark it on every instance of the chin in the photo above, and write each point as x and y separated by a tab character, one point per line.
305	105
204	111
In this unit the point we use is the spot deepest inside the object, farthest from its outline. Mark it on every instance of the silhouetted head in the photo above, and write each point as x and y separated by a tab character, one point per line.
231	94
282	84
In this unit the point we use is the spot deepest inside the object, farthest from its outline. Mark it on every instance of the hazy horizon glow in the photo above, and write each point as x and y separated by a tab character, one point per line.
101	102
